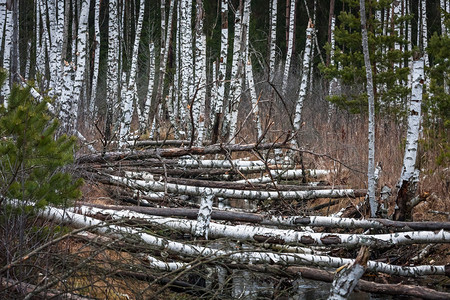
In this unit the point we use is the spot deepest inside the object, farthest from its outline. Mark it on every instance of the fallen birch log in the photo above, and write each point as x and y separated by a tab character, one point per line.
287	175
363	285
161	143
314	221
347	278
156	186
281	236
178	248
176	152
228	185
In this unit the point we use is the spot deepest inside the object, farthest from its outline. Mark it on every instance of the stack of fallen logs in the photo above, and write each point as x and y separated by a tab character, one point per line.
164	182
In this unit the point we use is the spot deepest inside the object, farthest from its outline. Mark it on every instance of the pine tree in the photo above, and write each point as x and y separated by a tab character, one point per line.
387	54
32	158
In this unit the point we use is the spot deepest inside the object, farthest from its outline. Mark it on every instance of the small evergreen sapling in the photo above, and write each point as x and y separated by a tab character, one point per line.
32	157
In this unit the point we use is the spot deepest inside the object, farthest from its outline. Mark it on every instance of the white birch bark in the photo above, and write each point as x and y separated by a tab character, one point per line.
143	119
165	266
214	93
304	80
273	38
112	77
40	50
156	186
204	216
396	15
277	236
236	68
131	92
9	25
423	4
55	14
186	59
290	46
166	33
311	65
65	102
346	279
443	5
223	59
409	172
371	101
333	88
96	58
202	95
254	99
199	76
78	220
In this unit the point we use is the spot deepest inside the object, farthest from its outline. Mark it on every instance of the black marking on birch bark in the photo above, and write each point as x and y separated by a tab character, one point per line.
307	240
302	220
268	239
331	239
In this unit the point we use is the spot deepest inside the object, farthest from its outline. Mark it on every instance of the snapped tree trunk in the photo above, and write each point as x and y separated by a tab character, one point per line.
410	176
346	279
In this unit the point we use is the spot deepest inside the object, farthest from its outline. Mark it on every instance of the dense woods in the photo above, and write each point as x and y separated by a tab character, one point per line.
179	148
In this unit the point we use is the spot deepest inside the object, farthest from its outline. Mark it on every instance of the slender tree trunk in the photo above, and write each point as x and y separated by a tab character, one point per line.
166	34
304	80
143	119
371	100
96	48
81	62
236	73
131	92
9	25
331	17
218	109
112	78
290	46
273	38
186	61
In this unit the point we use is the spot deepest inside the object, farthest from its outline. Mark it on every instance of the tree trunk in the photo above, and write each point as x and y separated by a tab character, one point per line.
290	46
96	50
304	81
410	175
273	38
112	77
371	100
131	92
346	280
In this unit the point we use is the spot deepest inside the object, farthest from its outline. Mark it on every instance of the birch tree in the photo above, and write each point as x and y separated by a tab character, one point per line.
131	92
219	110
151	81
112	77
198	103
236	69
96	58
410	175
166	34
371	102
273	38
290	46
304	81
81	53
9	25
187	75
